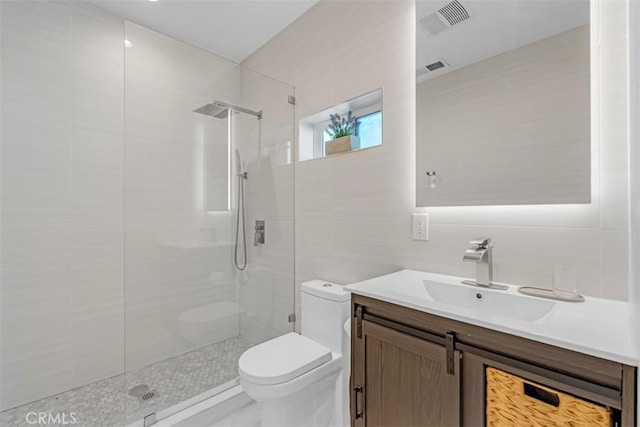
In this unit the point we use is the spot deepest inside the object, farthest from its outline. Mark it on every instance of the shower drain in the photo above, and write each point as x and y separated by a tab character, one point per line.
143	393
148	396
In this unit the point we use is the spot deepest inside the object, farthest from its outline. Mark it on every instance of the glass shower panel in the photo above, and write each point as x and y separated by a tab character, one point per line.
179	287
266	290
189	313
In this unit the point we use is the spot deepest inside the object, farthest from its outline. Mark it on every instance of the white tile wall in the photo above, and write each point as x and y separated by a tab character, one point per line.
62	133
353	212
97	178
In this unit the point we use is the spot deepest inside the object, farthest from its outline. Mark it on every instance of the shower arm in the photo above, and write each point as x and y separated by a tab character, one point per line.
258	114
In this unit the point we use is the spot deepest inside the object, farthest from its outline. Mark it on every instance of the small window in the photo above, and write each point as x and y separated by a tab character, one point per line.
367	109
369	129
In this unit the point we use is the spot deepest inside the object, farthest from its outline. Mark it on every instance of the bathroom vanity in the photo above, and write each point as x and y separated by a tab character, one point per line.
427	350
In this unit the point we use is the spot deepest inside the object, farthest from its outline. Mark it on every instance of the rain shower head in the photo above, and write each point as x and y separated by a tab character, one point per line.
220	110
214	109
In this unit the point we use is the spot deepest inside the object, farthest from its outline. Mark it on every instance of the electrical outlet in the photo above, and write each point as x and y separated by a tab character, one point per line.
420	227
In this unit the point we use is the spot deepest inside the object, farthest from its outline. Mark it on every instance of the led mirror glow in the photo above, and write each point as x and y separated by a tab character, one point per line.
503	103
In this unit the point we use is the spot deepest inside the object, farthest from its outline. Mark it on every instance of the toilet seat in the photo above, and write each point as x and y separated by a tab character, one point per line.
282	359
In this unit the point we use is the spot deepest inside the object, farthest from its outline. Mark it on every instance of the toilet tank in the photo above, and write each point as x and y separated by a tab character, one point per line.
324	309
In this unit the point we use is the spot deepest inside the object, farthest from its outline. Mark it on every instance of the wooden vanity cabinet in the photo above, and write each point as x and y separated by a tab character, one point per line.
405	380
410	368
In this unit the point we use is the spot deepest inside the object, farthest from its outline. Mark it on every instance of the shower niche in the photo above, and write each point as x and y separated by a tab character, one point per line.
350	126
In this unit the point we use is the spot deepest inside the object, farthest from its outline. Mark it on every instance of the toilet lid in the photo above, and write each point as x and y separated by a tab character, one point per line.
282	359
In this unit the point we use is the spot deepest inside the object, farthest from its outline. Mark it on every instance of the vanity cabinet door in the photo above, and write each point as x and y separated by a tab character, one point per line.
399	380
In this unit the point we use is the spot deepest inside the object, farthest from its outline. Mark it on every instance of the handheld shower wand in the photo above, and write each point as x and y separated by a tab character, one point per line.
242	175
239	166
223	110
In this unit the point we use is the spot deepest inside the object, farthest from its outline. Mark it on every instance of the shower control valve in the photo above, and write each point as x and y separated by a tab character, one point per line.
258	233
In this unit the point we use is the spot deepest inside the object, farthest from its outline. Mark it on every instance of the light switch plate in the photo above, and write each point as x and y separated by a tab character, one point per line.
420	227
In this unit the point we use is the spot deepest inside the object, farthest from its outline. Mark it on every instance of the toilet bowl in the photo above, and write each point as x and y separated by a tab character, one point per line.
301	379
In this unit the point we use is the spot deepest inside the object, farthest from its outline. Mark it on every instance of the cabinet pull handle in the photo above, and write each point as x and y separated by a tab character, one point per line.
359	390
359	316
541	395
450	340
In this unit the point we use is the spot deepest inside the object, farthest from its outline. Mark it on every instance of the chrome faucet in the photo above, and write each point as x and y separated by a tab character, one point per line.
481	254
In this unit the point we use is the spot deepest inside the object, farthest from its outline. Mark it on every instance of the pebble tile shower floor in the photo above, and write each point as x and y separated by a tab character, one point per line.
103	403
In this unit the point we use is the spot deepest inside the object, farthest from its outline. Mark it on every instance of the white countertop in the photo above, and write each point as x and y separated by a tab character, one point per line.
599	327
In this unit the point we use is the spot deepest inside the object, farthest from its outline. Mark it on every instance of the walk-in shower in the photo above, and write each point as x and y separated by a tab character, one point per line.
220	110
120	298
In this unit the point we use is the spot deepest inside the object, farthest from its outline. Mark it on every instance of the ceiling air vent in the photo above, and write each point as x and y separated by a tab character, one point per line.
432	24
436	65
447	16
454	12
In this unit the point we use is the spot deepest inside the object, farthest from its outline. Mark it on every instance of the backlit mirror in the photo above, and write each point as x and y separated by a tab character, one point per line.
503	103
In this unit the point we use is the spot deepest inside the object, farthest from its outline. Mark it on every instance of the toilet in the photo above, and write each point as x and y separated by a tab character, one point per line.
302	379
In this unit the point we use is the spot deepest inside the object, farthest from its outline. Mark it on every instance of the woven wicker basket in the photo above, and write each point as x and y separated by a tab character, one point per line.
510	403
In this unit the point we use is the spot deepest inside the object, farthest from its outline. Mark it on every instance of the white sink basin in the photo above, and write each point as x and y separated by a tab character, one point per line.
489	301
597	326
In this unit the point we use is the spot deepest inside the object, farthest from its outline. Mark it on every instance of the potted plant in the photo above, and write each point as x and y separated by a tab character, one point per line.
342	130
